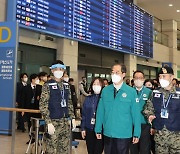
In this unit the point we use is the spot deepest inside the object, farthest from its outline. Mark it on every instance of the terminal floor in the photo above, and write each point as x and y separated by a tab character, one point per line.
21	146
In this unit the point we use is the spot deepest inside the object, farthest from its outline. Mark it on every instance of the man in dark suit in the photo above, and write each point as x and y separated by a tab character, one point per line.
73	94
19	93
31	97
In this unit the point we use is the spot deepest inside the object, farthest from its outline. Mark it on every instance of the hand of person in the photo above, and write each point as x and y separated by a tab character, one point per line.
22	113
151	118
152	131
73	124
83	134
38	98
99	136
135	140
51	129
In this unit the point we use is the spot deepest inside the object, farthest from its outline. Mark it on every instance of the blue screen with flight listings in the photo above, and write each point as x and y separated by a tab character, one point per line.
116	24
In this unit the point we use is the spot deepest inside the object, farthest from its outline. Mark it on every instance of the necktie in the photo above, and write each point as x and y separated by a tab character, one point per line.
115	92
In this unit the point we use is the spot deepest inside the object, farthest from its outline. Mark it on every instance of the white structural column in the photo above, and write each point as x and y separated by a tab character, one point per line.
131	64
67	51
3	10
169	27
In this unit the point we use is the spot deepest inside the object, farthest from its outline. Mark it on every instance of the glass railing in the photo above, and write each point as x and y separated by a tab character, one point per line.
160	38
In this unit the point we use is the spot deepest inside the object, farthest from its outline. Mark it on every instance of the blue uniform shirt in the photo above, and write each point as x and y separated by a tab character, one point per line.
89	111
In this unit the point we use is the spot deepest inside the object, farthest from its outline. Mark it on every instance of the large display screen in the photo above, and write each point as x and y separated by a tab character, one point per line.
114	24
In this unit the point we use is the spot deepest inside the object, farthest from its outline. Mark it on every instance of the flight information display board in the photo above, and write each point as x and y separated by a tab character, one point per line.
114	24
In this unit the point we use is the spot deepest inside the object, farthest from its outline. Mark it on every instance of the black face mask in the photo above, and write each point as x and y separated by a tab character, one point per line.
151	88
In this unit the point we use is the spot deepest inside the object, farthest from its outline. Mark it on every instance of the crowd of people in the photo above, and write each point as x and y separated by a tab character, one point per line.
118	117
137	116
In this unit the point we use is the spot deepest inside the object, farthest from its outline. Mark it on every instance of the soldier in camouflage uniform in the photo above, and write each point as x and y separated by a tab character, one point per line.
56	108
163	108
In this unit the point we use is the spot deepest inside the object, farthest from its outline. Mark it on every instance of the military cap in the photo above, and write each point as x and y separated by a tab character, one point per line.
166	70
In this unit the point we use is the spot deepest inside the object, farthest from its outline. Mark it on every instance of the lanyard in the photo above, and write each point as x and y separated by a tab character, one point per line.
62	93
94	107
167	102
139	98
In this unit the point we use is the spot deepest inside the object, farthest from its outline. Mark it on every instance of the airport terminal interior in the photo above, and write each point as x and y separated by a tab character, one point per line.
89	36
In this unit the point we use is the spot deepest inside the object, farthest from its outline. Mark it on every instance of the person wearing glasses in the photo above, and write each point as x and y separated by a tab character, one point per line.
118	113
143	147
56	108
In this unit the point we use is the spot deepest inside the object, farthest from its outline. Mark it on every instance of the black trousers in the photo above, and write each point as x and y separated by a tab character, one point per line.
20	124
94	146
143	146
116	145
152	144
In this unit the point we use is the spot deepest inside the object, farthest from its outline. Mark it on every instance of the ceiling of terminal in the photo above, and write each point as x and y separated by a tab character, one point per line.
161	9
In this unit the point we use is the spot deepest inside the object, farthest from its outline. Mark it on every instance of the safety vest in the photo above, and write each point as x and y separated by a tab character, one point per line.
172	123
58	101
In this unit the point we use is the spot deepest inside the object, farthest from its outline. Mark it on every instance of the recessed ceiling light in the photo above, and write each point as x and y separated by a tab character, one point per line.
177	10
170	4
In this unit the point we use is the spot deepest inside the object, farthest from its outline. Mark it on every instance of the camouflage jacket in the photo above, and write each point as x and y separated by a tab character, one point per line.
44	101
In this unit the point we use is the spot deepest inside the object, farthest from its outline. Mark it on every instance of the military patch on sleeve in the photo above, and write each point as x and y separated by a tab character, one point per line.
175	96
54	87
157	95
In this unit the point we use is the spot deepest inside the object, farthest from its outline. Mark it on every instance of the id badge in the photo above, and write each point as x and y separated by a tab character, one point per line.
164	113
32	100
93	121
63	103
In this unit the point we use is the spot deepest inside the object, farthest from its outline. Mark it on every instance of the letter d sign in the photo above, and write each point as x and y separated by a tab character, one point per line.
8	36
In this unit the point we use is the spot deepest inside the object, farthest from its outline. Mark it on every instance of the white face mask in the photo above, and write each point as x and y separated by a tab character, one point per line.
115	78
37	81
164	83
96	89
66	79
138	83
58	74
25	80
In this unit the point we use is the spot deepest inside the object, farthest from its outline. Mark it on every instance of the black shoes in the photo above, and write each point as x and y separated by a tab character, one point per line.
22	129
32	141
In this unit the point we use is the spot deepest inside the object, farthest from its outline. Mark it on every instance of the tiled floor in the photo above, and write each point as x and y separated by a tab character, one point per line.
21	146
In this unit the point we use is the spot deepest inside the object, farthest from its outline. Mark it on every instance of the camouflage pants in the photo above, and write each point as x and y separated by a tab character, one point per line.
59	142
167	142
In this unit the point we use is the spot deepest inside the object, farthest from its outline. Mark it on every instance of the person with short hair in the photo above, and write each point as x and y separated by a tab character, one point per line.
106	83
43	78
19	100
143	146
31	96
163	112
56	109
73	94
83	89
149	84
118	114
175	82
